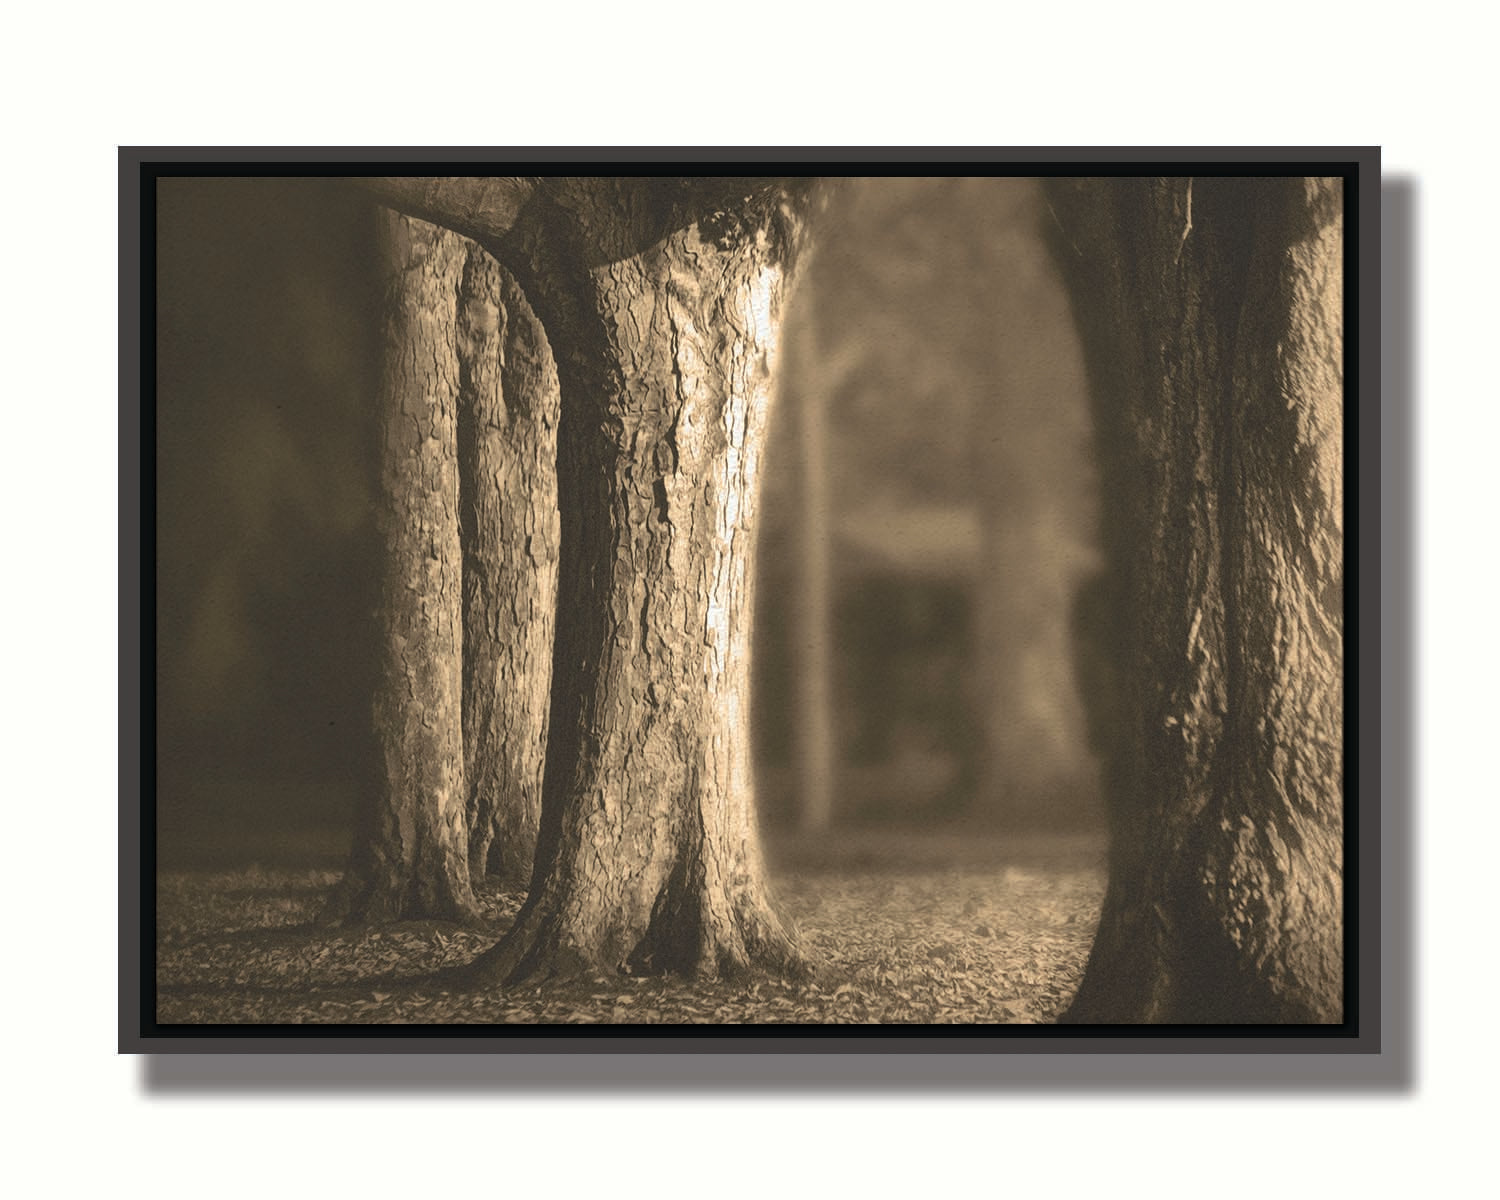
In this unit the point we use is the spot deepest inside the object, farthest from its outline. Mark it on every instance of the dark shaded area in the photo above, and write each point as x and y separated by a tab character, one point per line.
265	571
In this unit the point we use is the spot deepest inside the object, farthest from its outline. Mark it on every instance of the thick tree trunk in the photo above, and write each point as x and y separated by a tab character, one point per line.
507	438
1209	312
648	858
1276	880
410	851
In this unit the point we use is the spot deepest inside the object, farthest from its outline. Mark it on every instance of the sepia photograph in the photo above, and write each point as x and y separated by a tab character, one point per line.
633	600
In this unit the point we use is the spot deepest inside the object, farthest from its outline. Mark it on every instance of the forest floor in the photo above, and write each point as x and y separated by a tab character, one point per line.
902	929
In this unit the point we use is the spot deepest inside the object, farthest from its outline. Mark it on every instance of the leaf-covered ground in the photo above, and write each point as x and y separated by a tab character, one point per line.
952	935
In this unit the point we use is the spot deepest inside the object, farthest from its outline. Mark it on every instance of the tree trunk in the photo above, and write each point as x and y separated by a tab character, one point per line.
1209	312
507	440
1276	879
815	743
1036	499
410	851
648	858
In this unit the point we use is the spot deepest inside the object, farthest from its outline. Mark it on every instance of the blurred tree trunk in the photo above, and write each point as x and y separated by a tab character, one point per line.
815	744
1037	501
664	325
410	853
1210	312
507	449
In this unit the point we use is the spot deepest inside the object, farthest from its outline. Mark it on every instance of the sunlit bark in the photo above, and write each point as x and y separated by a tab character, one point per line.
665	333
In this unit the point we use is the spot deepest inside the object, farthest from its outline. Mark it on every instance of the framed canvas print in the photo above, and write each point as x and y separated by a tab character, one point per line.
753	600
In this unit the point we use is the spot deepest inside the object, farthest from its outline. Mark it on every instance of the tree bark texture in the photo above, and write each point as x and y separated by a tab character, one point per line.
1210	316
1278	887
507	444
648	858
410	856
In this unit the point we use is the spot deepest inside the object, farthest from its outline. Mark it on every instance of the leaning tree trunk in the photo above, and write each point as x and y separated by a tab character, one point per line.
1209	312
410	856
648	858
507	437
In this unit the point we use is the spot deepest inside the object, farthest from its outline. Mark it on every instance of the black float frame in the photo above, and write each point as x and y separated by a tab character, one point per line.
1375	1047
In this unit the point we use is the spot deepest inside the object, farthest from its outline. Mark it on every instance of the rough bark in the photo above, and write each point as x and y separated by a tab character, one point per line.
1277	886
648	858
409	857
1209	314
507	435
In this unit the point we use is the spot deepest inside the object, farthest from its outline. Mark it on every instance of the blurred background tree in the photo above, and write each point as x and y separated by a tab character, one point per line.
960	505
